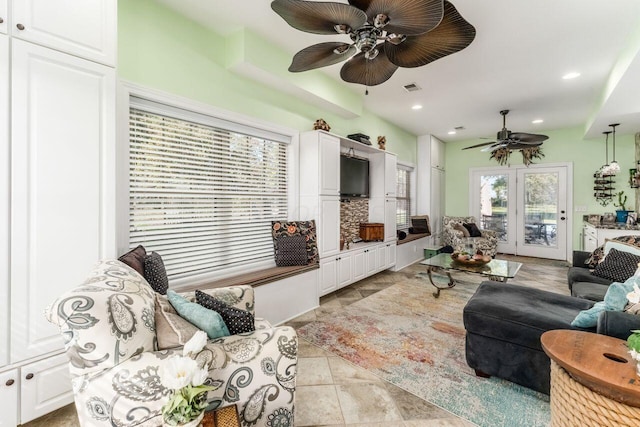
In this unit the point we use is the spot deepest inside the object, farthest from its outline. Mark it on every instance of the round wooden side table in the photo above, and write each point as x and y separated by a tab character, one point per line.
593	380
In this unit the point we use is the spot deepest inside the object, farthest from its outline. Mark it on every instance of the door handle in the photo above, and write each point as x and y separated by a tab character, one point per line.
561	212
562	218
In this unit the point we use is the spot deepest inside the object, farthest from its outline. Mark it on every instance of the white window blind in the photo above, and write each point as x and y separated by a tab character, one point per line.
403	197
203	196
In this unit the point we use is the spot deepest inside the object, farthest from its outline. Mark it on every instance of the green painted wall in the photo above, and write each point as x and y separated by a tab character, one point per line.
565	145
160	49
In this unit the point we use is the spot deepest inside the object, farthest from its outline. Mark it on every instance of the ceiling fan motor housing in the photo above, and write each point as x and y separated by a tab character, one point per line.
503	135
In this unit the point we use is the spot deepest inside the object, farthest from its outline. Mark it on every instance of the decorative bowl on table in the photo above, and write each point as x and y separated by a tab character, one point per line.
468	259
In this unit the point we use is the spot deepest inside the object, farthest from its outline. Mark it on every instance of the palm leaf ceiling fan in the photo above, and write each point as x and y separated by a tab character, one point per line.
385	35
511	140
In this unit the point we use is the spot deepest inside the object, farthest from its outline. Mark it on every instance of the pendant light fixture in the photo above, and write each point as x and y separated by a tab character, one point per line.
604	170
614	167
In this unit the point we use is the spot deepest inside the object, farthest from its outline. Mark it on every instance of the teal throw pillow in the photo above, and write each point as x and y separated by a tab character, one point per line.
205	319
614	300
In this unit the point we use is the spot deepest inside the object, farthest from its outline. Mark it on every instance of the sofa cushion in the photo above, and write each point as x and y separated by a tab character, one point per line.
205	319
617	266
171	329
589	290
519	314
238	321
298	228
614	300
579	274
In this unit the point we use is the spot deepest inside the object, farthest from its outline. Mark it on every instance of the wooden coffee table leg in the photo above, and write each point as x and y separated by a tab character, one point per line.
450	285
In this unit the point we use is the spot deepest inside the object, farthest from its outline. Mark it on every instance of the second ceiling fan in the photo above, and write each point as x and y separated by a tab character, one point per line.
511	140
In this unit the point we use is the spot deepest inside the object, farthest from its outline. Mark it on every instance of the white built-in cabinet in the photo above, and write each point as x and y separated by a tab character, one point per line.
84	28
431	183
4	17
320	200
57	184
5	200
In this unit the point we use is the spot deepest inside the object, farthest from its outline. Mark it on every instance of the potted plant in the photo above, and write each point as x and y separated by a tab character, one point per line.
622	213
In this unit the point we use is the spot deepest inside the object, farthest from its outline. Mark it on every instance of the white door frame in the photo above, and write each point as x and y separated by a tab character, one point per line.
504	169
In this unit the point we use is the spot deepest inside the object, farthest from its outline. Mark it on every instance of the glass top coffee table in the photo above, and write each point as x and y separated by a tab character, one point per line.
497	269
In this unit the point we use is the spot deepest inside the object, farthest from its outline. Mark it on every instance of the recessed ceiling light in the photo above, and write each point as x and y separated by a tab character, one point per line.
417	107
536	121
452	132
572	75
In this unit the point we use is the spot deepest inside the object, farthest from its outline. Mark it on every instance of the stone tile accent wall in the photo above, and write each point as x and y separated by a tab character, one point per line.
352	213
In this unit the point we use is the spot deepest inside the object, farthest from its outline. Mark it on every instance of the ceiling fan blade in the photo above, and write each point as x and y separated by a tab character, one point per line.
520	146
408	17
452	35
360	4
525	138
321	55
495	146
318	17
368	72
479	145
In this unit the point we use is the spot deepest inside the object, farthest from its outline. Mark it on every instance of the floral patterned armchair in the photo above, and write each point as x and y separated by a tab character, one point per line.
109	328
488	243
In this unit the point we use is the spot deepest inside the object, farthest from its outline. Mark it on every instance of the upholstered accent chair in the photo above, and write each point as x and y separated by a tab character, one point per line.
110	330
487	243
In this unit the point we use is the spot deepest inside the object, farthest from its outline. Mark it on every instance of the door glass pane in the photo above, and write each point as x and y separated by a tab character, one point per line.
494	203
540	209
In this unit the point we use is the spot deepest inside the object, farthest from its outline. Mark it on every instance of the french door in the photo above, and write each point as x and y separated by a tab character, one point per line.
527	208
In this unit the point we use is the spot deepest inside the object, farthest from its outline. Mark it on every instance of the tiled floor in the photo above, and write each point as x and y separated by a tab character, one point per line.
333	392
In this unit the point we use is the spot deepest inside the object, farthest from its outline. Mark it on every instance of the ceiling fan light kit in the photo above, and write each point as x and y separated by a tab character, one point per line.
385	35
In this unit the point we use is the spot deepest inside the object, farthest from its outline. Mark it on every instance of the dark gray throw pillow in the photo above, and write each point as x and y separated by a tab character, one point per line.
237	321
473	229
291	250
135	259
155	273
617	266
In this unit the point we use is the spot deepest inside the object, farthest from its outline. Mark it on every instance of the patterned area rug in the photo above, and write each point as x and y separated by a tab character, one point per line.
416	342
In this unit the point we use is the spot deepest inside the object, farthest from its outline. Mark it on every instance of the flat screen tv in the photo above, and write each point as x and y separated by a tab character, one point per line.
354	177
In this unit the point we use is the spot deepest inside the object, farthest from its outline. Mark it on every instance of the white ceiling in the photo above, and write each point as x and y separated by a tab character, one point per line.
521	51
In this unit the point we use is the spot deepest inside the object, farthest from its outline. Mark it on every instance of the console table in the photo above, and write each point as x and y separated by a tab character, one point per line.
593	380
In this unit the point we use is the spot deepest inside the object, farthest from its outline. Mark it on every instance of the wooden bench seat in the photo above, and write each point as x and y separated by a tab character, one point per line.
254	278
412	237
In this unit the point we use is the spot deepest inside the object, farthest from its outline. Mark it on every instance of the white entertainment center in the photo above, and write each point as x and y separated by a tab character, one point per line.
320	200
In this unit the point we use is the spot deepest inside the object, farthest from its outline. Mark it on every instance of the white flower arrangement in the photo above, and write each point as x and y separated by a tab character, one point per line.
182	375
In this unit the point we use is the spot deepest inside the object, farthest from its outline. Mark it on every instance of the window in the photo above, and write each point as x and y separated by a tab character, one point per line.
403	197
203	191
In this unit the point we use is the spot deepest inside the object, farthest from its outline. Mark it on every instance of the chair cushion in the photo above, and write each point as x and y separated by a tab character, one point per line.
204	318
473	229
171	329
462	228
520	314
238	321
155	273
135	259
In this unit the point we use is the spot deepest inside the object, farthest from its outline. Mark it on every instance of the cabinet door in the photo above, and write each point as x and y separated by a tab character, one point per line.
5	199
391	254
329	150
371	256
390	174
63	184
85	28
358	265
46	386
9	392
329	226
382	257
390	211
437	153
437	202
328	275
344	270
4	19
